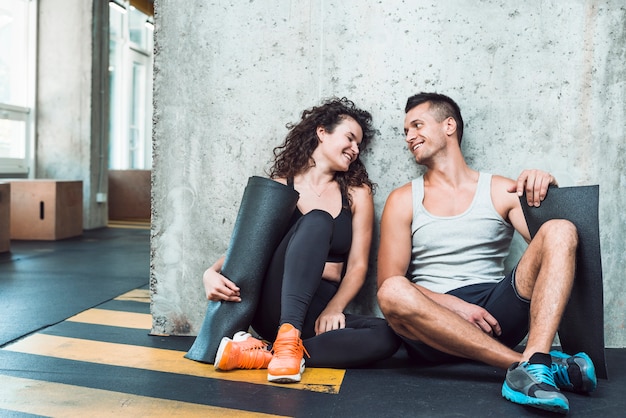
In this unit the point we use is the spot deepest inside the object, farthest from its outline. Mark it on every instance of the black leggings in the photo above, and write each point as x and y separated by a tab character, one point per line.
294	292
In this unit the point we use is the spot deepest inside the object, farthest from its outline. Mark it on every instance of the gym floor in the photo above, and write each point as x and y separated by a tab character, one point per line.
74	342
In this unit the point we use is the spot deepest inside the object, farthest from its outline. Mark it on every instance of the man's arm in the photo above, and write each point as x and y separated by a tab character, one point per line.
506	193
394	252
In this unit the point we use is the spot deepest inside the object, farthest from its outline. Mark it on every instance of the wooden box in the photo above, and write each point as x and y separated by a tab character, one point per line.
129	195
46	209
5	217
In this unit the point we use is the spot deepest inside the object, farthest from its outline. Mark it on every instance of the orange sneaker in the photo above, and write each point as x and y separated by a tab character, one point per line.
242	352
287	365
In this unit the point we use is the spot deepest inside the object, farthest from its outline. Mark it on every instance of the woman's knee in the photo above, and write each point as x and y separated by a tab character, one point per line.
318	221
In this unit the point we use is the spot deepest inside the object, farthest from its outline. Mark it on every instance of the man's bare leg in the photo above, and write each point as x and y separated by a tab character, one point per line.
417	317
545	276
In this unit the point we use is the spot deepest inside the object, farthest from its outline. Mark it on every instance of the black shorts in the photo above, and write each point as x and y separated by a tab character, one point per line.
501	300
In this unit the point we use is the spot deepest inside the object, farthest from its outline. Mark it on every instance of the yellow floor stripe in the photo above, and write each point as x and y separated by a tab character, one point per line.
136	295
114	318
130	224
58	399
169	361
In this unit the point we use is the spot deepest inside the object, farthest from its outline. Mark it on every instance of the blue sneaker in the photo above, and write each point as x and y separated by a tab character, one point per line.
533	384
573	373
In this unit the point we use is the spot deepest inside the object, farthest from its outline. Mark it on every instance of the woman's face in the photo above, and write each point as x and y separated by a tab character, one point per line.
341	146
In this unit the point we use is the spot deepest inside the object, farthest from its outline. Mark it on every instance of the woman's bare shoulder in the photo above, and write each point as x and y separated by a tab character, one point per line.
280	180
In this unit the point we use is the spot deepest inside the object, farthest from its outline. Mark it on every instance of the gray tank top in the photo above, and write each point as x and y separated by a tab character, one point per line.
456	251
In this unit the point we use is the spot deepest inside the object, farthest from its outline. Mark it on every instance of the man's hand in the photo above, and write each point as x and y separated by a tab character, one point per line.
478	316
473	314
535	183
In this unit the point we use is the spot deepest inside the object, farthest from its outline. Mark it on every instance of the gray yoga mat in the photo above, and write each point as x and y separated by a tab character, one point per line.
582	326
264	214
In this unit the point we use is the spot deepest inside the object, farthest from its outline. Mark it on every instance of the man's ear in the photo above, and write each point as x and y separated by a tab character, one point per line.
450	126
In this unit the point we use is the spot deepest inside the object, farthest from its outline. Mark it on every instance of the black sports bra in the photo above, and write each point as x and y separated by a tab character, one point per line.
342	230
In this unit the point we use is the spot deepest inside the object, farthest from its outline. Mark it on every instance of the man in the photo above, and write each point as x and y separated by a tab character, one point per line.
444	238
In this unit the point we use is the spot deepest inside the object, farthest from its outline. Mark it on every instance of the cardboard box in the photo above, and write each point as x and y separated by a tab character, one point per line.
46	209
5	217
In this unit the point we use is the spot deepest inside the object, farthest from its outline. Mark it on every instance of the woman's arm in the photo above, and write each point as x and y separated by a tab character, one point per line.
362	226
218	287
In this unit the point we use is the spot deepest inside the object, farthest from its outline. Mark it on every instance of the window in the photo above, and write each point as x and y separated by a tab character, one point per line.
130	78
17	85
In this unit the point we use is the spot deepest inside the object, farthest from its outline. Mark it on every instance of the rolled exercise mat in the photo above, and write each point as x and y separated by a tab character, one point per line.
582	325
264	214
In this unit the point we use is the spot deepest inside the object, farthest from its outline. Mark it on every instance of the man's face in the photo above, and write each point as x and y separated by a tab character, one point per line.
424	135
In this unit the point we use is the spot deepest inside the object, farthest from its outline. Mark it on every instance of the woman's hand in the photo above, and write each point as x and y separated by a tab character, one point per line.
329	320
218	287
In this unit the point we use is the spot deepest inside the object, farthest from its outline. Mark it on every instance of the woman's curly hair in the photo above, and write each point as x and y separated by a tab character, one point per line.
295	155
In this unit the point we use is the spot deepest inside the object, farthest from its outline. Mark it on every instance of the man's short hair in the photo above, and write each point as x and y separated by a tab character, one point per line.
442	106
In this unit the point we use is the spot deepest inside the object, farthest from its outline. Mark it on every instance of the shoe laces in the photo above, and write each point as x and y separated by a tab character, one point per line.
252	344
254	353
561	373
289	347
541	372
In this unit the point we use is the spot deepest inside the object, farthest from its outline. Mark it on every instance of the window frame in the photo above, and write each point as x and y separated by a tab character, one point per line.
124	152
24	166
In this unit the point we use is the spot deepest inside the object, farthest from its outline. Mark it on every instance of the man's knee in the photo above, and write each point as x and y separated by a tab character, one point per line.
560	230
389	294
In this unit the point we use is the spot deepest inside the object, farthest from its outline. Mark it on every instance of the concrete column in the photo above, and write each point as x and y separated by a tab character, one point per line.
72	98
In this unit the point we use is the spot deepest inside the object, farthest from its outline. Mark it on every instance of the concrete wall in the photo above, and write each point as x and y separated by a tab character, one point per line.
541	85
72	98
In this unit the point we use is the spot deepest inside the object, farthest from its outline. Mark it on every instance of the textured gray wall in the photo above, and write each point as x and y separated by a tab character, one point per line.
541	85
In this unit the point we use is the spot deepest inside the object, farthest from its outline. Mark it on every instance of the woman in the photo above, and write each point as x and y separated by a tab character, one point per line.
321	263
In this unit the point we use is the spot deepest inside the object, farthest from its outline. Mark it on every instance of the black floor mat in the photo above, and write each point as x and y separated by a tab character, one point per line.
86	271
